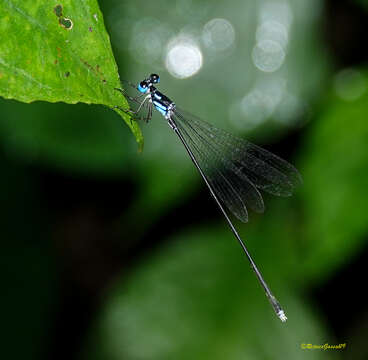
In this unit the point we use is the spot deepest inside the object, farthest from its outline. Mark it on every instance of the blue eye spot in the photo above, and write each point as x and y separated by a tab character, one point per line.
154	78
142	89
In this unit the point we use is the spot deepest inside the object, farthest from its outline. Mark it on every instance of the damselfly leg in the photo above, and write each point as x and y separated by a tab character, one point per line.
143	101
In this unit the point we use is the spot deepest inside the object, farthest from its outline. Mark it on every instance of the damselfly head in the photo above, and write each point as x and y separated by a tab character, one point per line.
154	78
143	86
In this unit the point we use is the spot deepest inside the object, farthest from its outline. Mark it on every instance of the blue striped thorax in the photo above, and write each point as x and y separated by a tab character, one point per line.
161	102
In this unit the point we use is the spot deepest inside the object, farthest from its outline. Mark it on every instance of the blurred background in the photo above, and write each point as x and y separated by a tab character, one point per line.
111	254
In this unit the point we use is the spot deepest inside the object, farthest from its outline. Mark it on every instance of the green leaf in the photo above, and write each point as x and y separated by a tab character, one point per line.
335	178
58	51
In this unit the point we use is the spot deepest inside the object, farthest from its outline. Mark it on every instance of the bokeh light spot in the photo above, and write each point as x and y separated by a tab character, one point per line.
350	84
268	55
259	104
272	30
184	58
147	40
279	10
218	34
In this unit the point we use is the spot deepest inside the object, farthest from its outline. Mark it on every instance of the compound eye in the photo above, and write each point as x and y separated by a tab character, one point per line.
154	78
143	87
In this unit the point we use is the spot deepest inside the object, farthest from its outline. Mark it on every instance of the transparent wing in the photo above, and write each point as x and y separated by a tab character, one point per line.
235	168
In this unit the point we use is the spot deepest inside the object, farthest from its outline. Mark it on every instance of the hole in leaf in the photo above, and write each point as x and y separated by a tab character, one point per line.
66	23
58	10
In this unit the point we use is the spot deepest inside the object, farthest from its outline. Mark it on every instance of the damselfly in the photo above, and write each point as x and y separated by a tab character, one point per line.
233	169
